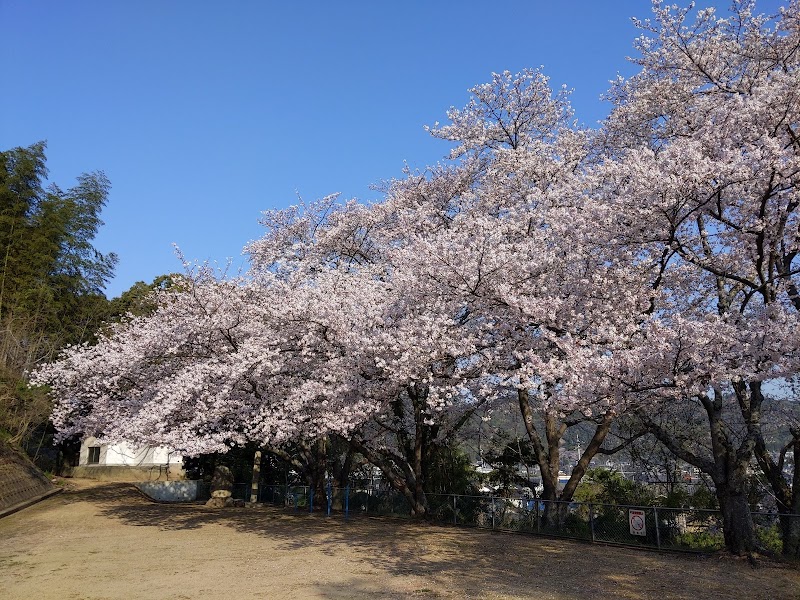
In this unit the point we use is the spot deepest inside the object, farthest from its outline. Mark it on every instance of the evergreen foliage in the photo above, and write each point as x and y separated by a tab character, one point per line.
51	277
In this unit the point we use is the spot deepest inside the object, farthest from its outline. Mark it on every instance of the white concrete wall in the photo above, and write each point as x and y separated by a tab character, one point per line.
125	455
170	491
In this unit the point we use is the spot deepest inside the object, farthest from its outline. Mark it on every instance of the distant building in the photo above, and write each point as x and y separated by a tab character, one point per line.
122	462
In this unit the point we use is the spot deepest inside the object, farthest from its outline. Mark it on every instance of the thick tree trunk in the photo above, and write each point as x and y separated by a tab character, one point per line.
419	441
591	450
309	459
728	463
790	525
737	522
399	474
345	467
786	495
548	458
555	515
319	464
256	480
790	535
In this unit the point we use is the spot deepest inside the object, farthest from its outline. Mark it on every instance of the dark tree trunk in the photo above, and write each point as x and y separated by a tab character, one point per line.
400	476
548	457
407	460
309	459
345	467
790	525
728	464
318	468
787	495
790	534
737	522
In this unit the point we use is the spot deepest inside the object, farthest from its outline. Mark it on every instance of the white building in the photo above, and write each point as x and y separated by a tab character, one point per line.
123	462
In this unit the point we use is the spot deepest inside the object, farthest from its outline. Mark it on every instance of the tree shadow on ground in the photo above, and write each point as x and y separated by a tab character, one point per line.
469	561
99	493
125	501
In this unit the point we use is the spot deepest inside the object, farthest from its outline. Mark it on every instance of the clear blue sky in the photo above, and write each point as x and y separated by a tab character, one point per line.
203	114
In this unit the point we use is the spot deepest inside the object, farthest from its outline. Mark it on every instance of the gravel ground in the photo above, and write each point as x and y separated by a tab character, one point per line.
100	540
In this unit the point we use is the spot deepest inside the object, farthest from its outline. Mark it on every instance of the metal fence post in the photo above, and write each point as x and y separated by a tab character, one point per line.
330	497
538	519
591	519
455	517
492	512
347	501
311	500
658	529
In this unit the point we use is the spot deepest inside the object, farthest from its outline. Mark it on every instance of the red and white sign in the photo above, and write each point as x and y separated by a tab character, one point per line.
636	522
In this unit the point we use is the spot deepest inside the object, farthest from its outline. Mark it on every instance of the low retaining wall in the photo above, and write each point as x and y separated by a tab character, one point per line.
20	481
126	473
170	491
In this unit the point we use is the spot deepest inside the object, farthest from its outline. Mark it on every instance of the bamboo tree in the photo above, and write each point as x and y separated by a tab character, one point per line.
52	278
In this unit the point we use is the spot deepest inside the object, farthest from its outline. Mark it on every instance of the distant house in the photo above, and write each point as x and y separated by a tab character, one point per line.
122	462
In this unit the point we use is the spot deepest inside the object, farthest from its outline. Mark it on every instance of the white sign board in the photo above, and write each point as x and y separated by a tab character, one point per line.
636	522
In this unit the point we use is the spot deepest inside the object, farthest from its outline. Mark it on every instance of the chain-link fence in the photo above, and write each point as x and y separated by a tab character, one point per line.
683	529
656	527
770	528
331	499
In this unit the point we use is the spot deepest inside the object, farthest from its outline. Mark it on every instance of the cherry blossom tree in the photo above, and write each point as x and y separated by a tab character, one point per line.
702	186
525	255
415	354
644	267
218	363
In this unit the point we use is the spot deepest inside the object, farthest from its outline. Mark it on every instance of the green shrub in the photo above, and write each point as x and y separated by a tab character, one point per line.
704	541
770	539
605	486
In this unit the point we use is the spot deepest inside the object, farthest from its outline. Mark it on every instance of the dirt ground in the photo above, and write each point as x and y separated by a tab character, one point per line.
100	540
